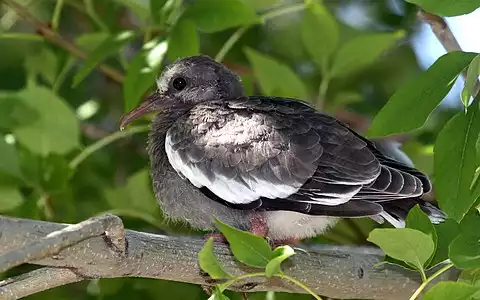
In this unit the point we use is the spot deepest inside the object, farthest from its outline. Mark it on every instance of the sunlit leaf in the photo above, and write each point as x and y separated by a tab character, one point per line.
247	248
142	71
319	33
217	15
455	162
56	130
184	40
218	295
408	245
10	198
209	263
362	51
274	75
472	77
423	93
279	255
417	219
447	8
108	47
449	290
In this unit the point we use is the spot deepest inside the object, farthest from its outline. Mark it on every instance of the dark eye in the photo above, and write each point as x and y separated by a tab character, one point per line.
179	83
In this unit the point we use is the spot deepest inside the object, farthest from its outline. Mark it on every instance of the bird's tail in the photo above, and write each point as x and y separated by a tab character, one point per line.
395	212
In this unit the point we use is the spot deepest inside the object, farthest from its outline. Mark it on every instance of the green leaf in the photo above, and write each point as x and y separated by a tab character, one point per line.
417	219
10	198
423	93
155	9
446	232
455	162
9	160
247	248
409	245
449	290
447	8
261	4
272	76
139	8
55	131
209	263
136	195
108	47
465	251
142	71
14	112
90	41
471	276
183	41
319	33
217	15
43	62
362	51
218	295
279	255
472	77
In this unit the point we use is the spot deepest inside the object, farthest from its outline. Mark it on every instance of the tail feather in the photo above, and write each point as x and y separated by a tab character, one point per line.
395	212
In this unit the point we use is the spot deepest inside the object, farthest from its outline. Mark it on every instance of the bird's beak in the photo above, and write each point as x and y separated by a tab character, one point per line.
149	105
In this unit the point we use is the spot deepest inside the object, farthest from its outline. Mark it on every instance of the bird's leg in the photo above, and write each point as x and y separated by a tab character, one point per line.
217	237
258	225
287	241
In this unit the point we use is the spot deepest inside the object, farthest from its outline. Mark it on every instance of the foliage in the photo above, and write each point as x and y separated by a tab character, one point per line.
63	158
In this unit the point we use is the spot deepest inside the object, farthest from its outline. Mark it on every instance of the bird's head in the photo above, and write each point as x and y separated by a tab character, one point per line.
185	83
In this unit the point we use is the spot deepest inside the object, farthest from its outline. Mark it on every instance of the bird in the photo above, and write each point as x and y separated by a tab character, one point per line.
274	166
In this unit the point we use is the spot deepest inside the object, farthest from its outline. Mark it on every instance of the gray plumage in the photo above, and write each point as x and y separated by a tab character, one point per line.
277	161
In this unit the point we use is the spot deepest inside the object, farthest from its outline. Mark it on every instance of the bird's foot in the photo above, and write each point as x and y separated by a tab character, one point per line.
217	237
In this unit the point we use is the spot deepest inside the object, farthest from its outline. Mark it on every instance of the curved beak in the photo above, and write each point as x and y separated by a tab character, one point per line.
147	106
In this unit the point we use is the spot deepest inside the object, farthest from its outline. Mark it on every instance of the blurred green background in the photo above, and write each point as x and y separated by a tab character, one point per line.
347	57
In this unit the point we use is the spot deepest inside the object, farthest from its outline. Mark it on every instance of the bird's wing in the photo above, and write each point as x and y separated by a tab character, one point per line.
272	153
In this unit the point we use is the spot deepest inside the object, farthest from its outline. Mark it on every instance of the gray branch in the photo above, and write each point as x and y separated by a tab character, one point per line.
334	271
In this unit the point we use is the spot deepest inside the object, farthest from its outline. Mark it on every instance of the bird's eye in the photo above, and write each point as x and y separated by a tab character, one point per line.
179	83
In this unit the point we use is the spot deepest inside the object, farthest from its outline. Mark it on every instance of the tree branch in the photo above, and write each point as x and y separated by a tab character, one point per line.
334	271
444	35
55	38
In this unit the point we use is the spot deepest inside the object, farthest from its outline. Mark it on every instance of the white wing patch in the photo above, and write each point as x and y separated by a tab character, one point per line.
236	191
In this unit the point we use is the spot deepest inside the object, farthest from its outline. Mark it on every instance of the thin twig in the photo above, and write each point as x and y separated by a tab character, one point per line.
55	38
104	142
444	35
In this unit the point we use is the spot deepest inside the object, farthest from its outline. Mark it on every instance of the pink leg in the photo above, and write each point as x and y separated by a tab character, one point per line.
258	225
217	237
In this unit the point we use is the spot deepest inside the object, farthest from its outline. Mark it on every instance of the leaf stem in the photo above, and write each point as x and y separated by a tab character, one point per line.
56	14
90	9
230	42
226	284
300	284
428	280
287	9
104	142
265	17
